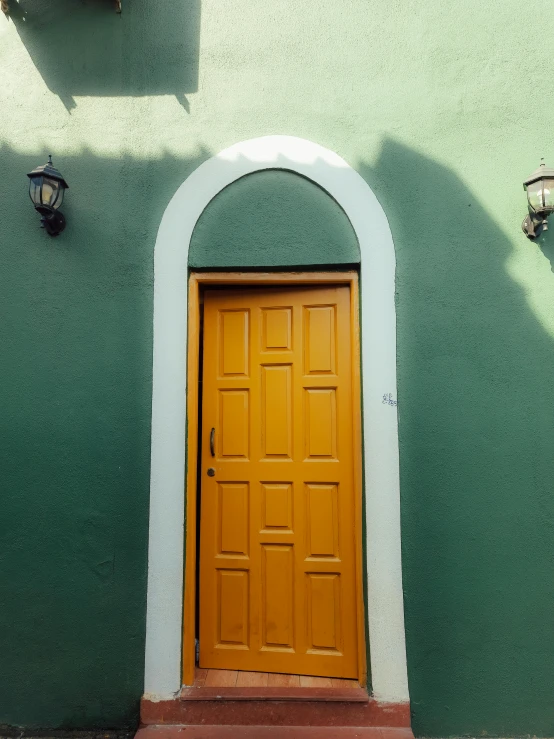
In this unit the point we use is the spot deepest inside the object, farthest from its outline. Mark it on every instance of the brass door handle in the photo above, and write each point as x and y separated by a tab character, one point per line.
212	442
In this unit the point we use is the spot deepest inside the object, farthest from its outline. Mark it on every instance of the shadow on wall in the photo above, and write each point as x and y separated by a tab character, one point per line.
546	244
75	438
476	429
84	48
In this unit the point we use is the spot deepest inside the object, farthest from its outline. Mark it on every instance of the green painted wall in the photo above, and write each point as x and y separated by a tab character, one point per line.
271	219
435	105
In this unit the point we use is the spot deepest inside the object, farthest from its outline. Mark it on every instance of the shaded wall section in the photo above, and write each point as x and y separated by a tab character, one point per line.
273	219
475	429
476	424
76	371
75	425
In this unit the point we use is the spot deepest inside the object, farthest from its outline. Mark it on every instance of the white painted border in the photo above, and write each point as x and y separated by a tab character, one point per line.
167	487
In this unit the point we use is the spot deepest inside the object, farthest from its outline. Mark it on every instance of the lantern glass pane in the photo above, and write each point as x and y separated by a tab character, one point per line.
34	189
549	194
535	196
50	191
59	199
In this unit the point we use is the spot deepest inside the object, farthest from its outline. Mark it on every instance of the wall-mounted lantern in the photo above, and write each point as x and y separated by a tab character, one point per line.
540	198
46	190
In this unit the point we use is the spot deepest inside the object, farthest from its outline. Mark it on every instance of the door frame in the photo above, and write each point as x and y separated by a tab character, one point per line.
197	280
385	606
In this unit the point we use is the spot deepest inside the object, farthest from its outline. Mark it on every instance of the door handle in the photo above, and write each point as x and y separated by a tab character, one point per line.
212	442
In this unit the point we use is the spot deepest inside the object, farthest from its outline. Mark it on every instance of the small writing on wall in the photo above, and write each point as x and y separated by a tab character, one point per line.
389	400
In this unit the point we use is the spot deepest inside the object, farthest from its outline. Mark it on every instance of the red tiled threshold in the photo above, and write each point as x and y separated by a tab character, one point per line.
271	711
271	732
231	703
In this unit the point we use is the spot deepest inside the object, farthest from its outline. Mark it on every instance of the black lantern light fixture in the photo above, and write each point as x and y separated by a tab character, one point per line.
46	190
540	198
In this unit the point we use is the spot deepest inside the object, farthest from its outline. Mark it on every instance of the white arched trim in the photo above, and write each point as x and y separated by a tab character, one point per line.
378	324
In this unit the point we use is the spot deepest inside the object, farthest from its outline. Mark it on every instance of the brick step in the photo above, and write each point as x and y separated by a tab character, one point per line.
169	731
278	713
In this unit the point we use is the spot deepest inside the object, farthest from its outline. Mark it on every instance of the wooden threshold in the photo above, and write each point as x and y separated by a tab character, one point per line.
351	695
237	685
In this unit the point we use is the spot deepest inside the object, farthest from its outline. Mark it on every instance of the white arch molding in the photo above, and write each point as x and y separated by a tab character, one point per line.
167	485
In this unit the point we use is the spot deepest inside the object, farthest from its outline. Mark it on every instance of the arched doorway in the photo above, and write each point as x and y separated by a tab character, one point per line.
378	350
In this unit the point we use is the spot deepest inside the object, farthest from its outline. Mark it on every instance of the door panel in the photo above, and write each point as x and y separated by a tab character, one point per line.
277	544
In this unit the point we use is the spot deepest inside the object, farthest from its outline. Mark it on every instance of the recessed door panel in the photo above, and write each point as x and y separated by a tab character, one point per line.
322	526
233	423
277	506
323	597
321	423
276	329
277	525
277	597
277	411
320	345
233	515
234	343
232	608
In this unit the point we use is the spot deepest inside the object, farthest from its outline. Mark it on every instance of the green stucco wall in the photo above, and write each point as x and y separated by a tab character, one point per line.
437	106
271	219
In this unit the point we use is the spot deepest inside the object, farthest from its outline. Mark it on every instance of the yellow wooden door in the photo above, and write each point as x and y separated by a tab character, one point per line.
277	526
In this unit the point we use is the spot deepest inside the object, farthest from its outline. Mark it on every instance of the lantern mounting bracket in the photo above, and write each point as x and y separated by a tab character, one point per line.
51	220
533	225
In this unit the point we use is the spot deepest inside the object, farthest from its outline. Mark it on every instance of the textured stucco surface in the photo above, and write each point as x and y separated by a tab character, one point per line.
433	104
270	219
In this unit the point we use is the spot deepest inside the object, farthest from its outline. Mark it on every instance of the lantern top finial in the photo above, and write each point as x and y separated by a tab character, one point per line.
48	170
542	172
